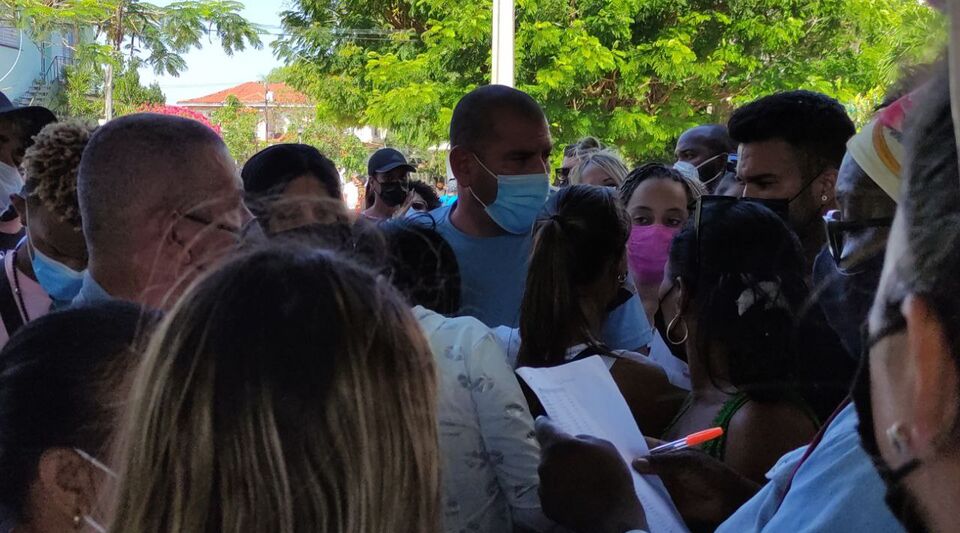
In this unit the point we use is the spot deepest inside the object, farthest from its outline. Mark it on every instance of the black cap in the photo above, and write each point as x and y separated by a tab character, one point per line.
385	160
35	117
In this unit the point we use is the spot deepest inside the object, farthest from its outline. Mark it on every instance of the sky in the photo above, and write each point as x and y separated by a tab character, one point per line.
209	69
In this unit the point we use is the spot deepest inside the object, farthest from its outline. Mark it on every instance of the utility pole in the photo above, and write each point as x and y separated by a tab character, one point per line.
266	111
503	28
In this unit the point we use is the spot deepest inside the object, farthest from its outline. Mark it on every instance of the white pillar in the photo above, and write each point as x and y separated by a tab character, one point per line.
503	25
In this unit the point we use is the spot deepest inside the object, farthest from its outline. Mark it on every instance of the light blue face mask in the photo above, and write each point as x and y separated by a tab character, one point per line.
520	198
61	282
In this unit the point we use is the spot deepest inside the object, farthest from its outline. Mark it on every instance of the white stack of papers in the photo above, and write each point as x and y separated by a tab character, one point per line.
582	399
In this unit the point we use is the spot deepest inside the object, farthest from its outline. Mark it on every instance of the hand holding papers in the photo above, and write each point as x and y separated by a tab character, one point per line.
582	398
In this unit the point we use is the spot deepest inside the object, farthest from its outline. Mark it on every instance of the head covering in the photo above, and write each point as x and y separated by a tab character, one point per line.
878	147
385	160
36	115
276	166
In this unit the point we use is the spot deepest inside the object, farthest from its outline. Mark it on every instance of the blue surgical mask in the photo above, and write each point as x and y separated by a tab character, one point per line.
520	198
61	282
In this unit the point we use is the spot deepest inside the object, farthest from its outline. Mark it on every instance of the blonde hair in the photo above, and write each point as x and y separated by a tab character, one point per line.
290	391
50	167
607	160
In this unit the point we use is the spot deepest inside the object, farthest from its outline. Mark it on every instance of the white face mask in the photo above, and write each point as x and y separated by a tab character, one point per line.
96	526
11	182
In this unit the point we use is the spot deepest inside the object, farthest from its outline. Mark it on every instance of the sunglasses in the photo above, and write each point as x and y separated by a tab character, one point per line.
836	229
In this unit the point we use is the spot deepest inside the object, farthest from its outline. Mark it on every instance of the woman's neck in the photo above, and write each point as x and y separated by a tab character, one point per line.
593	315
703	382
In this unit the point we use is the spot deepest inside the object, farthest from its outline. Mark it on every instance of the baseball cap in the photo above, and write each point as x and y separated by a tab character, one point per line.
33	118
387	159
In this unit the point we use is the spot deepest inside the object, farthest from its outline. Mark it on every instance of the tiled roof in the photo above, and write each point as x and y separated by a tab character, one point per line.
252	93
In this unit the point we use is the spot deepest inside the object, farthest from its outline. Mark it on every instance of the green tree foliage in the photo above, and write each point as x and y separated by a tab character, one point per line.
238	127
82	93
634	73
131	31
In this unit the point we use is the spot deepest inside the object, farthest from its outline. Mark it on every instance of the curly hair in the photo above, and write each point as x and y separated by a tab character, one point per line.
50	167
816	126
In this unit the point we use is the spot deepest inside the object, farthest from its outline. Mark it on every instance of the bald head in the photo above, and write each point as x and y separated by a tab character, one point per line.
137	167
706	147
476	115
712	137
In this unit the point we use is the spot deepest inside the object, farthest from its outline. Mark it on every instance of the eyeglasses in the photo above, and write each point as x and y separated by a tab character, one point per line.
836	228
251	227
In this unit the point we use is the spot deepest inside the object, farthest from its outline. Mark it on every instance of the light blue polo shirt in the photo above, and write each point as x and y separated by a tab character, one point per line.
493	273
836	490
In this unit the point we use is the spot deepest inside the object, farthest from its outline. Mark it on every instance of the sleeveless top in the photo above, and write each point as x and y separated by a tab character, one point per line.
716	448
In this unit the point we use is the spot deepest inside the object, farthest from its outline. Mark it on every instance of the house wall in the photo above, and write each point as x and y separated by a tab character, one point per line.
20	72
22	63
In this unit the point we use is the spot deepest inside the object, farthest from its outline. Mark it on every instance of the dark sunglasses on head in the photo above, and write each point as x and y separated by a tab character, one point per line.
836	227
562	173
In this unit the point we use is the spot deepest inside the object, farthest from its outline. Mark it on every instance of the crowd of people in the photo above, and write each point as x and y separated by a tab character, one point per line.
189	346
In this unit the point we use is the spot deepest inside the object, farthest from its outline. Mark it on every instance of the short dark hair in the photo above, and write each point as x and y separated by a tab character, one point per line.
426	192
815	125
132	164
276	166
476	113
744	247
58	376
715	136
422	264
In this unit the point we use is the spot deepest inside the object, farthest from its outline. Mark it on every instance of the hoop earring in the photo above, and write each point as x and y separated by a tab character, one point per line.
622	278
686	332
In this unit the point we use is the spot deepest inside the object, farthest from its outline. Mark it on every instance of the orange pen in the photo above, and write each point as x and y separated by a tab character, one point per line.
690	440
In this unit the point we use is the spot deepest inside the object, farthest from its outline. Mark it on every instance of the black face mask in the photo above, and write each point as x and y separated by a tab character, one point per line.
393	193
902	504
781	206
846	297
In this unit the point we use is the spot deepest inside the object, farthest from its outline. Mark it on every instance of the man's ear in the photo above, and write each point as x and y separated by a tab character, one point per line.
825	186
67	483
931	368
19	203
462	163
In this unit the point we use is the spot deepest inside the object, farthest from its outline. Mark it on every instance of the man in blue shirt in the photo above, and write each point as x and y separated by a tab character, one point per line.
500	148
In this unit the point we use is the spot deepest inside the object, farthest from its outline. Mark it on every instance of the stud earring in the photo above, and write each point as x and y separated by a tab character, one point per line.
77	519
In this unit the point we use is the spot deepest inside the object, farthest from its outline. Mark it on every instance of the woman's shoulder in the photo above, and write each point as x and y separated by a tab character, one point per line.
760	432
771	416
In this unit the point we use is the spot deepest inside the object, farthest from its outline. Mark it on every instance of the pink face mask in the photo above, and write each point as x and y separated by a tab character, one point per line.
647	252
